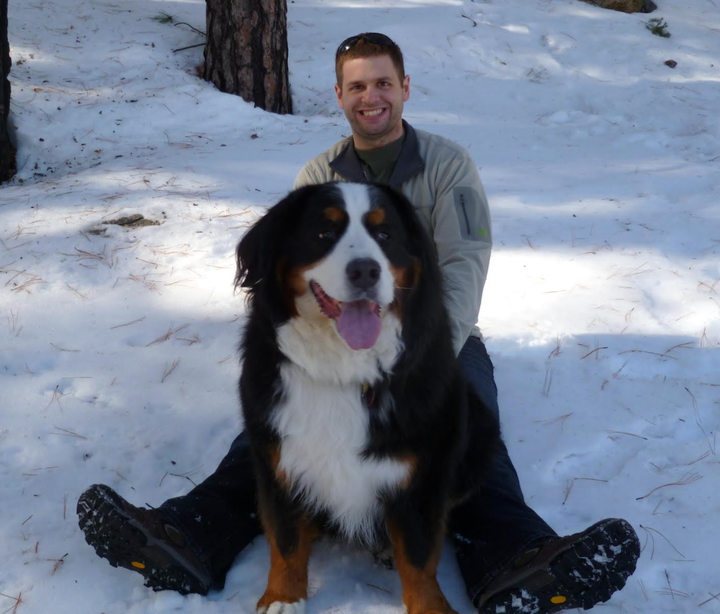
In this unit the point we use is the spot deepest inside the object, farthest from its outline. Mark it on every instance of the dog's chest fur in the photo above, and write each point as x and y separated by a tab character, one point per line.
324	428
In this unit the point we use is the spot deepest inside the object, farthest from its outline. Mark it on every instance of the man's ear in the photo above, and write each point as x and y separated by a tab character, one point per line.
406	88
338	93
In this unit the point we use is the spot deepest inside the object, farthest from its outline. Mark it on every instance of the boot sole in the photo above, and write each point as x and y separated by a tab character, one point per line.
120	539
587	572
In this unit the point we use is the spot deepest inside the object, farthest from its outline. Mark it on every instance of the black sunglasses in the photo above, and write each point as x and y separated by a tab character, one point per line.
371	37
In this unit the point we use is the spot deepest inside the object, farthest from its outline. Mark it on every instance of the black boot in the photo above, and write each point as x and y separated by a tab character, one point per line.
141	540
577	571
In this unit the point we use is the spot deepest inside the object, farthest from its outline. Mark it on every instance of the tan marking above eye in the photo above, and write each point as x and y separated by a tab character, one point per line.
376	217
334	214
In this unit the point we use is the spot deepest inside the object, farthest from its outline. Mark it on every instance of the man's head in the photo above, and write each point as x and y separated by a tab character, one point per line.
371	88
368	45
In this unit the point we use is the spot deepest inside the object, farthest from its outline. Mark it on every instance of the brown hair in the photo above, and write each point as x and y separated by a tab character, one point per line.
363	46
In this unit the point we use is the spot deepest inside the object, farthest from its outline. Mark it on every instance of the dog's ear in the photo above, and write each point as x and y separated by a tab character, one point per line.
258	251
253	262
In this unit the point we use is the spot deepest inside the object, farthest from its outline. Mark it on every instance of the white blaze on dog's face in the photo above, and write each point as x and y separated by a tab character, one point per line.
353	284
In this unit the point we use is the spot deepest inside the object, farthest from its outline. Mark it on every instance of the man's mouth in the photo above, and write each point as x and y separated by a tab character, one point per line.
372	112
357	322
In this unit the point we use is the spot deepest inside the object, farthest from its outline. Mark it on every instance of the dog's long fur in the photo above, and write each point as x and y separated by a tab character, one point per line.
369	442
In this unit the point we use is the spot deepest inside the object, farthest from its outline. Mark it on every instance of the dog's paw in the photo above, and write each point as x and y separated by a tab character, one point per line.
385	557
280	607
383	553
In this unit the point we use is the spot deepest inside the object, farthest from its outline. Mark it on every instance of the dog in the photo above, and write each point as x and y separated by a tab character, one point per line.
359	420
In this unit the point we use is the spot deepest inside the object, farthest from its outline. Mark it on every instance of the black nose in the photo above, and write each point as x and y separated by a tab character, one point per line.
363	273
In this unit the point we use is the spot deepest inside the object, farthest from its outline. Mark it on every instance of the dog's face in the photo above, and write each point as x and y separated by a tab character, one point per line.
361	260
341	254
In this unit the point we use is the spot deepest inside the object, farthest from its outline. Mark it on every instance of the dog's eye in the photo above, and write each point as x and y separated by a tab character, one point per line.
327	235
382	236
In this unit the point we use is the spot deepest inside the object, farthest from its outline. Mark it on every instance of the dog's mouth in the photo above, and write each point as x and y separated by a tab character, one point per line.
357	322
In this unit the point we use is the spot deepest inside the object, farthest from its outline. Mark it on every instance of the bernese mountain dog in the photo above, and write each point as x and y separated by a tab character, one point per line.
358	417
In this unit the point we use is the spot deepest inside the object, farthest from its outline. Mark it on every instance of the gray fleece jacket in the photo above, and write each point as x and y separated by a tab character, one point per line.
440	178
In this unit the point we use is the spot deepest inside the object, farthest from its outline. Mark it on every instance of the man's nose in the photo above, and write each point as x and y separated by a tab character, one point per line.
371	95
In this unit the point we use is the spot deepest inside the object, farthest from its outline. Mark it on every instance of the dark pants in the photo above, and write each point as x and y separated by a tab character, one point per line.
490	529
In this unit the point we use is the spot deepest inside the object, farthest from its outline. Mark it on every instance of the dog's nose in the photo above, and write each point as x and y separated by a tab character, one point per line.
363	273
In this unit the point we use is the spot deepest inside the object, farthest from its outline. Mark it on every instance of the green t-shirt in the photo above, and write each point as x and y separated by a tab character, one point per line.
378	164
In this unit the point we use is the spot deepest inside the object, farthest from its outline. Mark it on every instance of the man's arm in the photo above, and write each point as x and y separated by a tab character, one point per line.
463	237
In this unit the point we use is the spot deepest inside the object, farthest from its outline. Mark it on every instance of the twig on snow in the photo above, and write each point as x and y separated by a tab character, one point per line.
128	324
648	529
597	349
699	422
187	474
193	28
670	590
571	483
548	382
18	601
57	347
685	346
688	478
68	433
554	420
58	563
647	352
384	590
697	460
168	371
82	296
630	434
712	597
56	397
556	352
171	331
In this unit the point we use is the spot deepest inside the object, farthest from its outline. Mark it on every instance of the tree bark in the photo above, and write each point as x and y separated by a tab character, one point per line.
7	151
246	52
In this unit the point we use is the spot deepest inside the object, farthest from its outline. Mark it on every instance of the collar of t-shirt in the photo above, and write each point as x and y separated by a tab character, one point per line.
378	164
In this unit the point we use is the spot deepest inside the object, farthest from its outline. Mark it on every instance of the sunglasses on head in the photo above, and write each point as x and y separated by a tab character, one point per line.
371	37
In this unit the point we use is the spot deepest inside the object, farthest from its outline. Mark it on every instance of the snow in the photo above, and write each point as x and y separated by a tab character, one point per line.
601	312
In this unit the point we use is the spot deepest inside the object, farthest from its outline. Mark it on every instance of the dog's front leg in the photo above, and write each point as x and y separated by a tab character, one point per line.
290	536
286	590
417	543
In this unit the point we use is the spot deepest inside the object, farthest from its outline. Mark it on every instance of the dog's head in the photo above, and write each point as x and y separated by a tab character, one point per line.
342	254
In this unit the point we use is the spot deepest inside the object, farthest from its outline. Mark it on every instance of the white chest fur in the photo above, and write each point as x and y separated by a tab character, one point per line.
324	429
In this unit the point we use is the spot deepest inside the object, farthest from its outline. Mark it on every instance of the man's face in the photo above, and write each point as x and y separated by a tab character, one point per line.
372	97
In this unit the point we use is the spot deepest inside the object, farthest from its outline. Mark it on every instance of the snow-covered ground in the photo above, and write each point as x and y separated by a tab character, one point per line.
118	358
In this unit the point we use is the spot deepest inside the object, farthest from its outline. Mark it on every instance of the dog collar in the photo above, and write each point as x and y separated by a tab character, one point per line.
367	394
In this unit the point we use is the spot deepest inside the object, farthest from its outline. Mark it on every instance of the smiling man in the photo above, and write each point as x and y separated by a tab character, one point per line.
372	95
510	559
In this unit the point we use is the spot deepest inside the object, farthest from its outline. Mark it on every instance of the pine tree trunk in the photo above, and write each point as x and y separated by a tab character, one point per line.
7	151
246	52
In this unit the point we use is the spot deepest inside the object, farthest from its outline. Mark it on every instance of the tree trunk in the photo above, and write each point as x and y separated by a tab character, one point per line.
7	151
246	52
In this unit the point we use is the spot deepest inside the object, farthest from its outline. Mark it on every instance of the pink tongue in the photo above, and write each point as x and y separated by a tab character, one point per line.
359	325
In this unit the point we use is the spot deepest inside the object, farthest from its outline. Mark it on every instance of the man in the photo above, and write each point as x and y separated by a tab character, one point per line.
510	559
